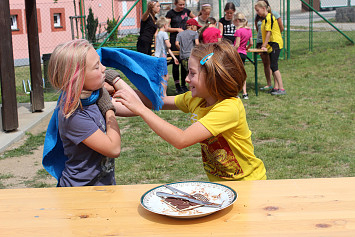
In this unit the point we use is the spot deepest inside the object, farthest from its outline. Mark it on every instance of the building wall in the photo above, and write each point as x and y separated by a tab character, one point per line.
50	36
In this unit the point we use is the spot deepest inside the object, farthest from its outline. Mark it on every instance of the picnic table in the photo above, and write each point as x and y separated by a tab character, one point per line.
293	207
254	61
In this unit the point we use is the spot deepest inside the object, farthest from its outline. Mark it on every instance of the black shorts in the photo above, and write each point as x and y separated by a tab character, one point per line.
274	56
243	57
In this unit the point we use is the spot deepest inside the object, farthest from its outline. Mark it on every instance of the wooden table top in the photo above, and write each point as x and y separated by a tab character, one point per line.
256	50
294	207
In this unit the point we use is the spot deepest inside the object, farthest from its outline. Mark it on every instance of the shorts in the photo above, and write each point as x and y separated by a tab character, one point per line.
274	56
243	57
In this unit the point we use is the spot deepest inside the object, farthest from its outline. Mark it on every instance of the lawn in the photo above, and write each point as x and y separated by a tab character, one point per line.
308	133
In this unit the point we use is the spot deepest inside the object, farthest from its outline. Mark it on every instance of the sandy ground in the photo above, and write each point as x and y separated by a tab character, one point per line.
22	170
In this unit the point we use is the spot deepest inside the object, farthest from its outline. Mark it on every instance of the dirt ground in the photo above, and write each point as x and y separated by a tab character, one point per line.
22	171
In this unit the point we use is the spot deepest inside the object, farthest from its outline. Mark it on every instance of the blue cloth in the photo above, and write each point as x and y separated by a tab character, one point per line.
144	71
53	152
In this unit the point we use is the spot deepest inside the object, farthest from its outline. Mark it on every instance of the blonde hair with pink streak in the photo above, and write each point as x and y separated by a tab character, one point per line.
66	72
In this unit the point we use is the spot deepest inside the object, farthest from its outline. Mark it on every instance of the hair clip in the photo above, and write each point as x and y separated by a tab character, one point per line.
206	58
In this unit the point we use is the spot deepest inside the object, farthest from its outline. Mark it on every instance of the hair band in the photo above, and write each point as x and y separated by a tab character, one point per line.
206	58
206	5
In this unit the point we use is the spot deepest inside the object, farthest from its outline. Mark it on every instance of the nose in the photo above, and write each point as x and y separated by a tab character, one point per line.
187	79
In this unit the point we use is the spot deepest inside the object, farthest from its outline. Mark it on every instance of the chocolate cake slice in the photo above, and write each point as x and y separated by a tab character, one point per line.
180	204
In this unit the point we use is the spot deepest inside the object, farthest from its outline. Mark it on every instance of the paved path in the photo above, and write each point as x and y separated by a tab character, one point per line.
27	121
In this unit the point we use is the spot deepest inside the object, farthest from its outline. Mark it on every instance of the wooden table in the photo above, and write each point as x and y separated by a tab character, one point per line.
304	207
255	63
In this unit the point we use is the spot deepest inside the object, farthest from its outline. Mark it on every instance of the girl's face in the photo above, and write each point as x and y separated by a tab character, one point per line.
261	11
94	71
228	15
206	13
197	79
180	5
156	8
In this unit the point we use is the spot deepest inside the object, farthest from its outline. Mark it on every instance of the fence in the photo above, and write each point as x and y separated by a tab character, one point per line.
63	20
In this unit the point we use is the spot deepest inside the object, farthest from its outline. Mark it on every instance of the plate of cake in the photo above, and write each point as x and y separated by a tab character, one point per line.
220	195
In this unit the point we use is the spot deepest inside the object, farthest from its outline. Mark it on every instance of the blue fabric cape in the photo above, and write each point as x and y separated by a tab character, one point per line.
53	153
144	71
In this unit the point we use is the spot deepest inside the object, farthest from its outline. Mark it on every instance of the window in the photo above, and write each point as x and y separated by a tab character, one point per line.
16	21
56	19
13	22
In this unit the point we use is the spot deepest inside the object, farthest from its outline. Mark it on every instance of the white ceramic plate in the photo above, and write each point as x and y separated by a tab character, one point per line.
217	193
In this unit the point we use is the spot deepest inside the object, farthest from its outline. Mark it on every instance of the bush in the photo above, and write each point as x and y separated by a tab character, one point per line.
91	27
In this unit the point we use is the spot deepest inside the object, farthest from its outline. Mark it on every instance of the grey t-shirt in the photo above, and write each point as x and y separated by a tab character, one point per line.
259	38
84	164
186	40
160	48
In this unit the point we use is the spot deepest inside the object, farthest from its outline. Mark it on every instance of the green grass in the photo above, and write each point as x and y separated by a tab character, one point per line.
31	143
309	133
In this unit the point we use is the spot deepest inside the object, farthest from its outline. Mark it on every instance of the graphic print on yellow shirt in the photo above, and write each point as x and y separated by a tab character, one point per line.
218	158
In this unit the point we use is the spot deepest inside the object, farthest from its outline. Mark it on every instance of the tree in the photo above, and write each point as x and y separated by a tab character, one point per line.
91	27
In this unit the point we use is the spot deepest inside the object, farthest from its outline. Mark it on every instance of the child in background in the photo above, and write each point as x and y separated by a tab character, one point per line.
86	117
204	14
272	42
148	28
209	33
243	35
259	41
225	24
216	76
163	45
177	18
186	40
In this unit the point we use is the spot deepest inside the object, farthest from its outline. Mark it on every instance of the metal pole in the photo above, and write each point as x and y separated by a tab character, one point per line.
288	29
113	14
311	27
144	5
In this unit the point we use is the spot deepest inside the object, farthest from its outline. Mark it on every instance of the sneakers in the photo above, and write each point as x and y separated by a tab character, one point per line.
245	97
279	92
265	88
272	90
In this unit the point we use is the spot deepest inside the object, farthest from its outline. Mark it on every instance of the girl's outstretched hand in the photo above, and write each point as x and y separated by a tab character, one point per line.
130	101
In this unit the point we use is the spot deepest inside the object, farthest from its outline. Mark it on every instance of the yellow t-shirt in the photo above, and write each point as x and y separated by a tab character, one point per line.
229	153
275	31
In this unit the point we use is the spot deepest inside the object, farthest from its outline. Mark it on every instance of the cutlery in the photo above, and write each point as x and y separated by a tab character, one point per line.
196	195
206	204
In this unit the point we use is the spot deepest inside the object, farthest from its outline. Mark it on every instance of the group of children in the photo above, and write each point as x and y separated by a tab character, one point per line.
87	124
233	27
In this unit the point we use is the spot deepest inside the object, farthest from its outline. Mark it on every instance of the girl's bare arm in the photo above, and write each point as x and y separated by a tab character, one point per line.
108	144
175	136
173	29
250	43
281	25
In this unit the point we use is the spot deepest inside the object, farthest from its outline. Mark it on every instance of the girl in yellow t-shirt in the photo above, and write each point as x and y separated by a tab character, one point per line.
216	76
272	42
